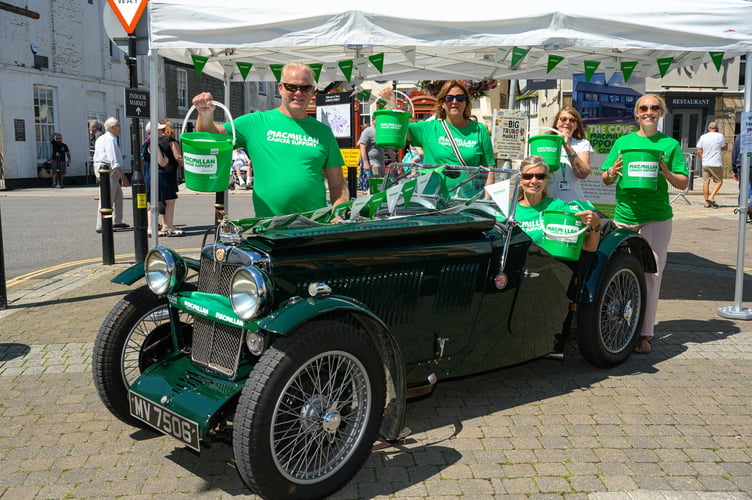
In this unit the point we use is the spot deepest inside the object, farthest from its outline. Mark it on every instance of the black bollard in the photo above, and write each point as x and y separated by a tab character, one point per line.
3	286
140	215
352	181
105	212
219	207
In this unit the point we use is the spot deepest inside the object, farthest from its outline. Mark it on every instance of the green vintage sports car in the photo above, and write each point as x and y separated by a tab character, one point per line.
305	338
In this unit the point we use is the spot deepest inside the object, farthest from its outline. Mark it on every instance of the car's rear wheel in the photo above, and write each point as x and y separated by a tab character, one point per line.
308	415
607	328
133	336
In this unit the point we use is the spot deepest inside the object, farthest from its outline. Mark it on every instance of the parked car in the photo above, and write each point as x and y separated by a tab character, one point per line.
305	338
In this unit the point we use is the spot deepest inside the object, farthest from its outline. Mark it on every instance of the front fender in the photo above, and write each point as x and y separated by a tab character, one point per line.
294	313
137	271
610	244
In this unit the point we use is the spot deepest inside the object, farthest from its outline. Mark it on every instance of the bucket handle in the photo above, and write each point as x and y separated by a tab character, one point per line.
410	106
529	134
227	112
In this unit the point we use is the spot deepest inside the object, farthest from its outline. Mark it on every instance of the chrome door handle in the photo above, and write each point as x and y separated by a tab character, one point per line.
529	274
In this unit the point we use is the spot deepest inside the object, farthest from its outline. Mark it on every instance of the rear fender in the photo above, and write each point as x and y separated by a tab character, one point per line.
619	240
288	318
136	272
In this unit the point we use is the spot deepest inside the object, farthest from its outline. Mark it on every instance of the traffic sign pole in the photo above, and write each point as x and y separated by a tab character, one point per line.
140	242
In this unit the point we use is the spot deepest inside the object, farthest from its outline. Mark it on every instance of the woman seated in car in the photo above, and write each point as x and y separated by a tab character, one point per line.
533	201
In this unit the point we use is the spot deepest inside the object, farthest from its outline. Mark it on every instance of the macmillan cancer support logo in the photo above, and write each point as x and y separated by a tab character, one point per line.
643	169
200	164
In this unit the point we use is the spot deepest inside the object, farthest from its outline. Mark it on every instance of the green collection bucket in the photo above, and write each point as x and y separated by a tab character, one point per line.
391	128
207	157
563	234
549	147
640	168
374	184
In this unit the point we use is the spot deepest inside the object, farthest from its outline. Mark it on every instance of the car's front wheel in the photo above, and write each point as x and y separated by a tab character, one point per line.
134	335
607	328
308	415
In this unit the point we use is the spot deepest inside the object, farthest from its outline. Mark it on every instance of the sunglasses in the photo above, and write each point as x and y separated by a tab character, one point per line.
291	87
458	98
540	177
567	119
654	107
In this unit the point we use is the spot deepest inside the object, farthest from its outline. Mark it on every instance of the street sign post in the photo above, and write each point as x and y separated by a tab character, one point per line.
136	103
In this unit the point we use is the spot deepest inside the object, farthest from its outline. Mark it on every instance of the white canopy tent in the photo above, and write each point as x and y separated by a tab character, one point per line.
483	40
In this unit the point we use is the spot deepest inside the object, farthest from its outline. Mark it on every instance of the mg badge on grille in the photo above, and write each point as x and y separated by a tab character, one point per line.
219	254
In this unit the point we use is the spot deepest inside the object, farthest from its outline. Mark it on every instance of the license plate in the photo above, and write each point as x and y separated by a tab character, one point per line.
164	420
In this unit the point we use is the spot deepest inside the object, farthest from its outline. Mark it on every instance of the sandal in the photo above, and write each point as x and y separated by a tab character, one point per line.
713	203
173	231
708	204
163	232
644	345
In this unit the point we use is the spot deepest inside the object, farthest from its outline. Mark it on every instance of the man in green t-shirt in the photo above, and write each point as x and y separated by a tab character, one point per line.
291	152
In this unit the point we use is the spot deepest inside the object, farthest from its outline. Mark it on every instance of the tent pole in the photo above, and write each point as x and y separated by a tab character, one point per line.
225	196
510	105
736	311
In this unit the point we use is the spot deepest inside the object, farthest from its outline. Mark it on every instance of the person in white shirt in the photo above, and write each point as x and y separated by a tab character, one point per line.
709	148
574	165
107	151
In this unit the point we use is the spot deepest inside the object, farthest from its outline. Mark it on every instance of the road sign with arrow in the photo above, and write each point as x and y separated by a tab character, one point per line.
136	103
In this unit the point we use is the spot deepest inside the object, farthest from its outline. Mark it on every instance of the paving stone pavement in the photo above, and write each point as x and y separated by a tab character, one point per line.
674	424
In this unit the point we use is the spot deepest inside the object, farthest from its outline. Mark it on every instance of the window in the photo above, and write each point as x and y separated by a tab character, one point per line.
261	88
44	120
182	84
114	52
276	91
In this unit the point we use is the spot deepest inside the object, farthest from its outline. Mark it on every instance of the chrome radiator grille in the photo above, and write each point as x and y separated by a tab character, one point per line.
216	347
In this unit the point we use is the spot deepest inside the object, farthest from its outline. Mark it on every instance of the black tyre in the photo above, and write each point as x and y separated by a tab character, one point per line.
607	328
133	336
308	415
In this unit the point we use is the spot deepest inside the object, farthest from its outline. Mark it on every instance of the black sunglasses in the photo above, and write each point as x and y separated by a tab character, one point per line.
291	87
458	98
654	107
540	177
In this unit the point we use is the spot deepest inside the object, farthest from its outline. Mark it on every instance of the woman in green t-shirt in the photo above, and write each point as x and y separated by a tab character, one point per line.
533	200
648	211
451	138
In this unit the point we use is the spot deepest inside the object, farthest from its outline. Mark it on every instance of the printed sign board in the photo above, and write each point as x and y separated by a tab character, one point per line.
136	103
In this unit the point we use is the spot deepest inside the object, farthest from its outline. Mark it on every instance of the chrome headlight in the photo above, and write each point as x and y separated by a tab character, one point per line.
250	292
165	271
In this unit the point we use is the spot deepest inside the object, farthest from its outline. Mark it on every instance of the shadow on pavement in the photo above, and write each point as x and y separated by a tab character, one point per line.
12	350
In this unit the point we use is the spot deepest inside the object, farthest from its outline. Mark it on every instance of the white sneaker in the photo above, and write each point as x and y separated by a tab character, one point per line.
241	182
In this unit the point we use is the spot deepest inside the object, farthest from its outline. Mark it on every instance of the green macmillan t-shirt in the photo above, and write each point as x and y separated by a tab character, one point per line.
288	157
638	206
530	218
473	142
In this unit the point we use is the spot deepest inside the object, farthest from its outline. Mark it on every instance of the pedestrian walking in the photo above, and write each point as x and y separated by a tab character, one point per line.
61	159
709	148
107	154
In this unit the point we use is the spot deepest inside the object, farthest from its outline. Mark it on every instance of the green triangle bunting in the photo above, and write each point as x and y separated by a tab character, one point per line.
316	67
627	67
244	68
717	58
378	61
198	63
552	62
277	71
663	64
590	67
518	54
346	67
